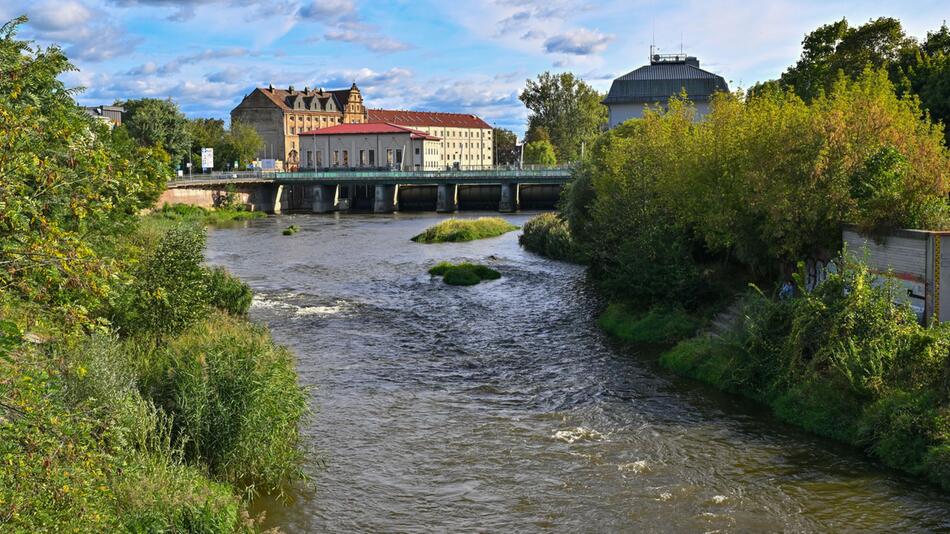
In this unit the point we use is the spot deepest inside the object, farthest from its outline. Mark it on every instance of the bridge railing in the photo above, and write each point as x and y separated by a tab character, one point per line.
347	174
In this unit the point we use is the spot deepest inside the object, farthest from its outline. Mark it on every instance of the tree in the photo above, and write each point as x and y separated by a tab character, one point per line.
506	146
67	181
244	143
839	49
540	153
158	123
568	108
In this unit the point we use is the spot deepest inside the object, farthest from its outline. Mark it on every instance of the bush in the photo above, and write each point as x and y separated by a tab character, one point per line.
227	293
842	361
196	214
463	274
455	230
170	288
291	230
234	401
548	234
659	325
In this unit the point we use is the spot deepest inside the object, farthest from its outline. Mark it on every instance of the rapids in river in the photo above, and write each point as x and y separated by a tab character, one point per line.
502	408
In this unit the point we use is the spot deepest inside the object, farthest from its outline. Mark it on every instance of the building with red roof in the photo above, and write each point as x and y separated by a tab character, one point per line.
370	145
466	139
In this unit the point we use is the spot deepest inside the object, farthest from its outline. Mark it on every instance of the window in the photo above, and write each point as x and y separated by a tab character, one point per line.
398	156
389	156
363	159
417	151
309	159
319	158
346	158
372	158
336	158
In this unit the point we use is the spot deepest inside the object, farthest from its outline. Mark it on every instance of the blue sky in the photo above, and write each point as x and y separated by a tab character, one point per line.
452	55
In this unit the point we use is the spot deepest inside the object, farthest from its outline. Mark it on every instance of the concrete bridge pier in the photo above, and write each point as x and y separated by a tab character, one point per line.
509	197
326	198
447	198
268	198
384	200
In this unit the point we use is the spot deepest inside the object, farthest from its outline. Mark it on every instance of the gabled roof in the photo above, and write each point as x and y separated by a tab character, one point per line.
659	81
425	118
371	129
283	97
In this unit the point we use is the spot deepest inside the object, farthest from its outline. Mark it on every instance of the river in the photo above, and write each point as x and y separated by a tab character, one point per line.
502	408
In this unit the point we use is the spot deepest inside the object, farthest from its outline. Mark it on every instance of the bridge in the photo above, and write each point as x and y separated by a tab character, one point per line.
384	190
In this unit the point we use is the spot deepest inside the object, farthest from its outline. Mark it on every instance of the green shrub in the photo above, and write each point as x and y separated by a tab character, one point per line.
463	274
197	214
455	230
234	401
658	325
228	293
291	230
842	361
548	234
170	288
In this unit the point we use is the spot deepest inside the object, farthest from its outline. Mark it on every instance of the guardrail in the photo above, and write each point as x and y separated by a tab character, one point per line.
342	175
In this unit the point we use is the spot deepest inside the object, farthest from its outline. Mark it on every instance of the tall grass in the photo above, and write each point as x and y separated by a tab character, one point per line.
548	234
463	274
455	230
190	213
658	325
233	399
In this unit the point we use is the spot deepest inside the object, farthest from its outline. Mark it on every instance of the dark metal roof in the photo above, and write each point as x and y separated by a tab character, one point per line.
659	81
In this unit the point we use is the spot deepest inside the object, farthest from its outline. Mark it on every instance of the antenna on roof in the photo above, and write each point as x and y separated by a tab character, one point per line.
653	41
681	43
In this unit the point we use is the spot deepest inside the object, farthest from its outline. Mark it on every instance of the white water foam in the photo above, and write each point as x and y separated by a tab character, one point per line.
580	433
634	467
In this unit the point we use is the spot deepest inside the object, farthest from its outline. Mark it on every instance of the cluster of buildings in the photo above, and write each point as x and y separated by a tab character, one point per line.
317	128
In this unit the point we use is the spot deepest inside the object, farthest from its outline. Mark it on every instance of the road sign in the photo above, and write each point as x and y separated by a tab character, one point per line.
207	158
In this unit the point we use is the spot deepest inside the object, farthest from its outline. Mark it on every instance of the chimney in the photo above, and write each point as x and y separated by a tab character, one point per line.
692	60
290	89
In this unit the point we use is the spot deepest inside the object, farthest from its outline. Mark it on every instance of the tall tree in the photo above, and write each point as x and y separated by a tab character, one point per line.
244	143
506	146
158	123
540	153
568	108
66	181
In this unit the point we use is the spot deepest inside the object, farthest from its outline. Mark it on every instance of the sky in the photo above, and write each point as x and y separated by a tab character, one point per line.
451	55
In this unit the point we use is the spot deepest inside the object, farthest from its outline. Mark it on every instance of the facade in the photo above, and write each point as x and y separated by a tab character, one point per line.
465	140
280	115
665	76
111	115
373	145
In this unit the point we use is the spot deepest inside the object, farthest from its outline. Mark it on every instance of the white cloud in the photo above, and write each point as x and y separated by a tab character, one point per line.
85	33
371	40
581	42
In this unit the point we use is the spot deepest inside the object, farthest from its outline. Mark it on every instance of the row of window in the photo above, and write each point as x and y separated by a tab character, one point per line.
367	158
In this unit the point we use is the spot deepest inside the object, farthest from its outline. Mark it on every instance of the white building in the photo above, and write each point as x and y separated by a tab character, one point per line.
371	145
465	140
665	76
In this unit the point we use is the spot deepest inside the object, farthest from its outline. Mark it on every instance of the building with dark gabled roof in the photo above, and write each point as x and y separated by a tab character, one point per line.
280	115
665	76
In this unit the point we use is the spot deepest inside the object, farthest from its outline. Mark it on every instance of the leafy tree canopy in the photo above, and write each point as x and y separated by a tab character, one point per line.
158	123
568	108
506	149
540	153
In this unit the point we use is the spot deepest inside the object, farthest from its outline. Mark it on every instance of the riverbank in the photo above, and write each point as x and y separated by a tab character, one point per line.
163	410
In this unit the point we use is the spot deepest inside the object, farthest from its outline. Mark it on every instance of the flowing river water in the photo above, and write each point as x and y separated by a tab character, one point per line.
502	408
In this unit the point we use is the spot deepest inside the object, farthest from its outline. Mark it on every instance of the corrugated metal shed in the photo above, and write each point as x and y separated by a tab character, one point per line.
660	80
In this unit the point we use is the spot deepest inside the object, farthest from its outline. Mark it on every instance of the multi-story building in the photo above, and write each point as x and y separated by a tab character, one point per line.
370	145
466	140
654	84
280	115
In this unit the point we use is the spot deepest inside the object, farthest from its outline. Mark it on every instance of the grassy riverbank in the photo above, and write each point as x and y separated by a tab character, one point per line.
675	218
456	230
134	394
197	214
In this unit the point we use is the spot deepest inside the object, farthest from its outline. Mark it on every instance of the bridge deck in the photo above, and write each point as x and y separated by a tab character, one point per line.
548	175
